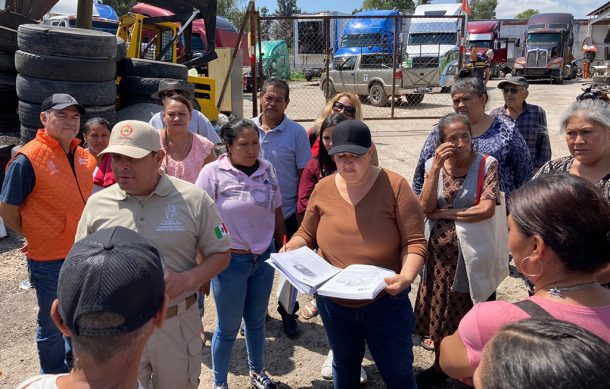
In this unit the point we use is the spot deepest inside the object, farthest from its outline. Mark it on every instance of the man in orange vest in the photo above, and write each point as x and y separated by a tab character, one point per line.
45	190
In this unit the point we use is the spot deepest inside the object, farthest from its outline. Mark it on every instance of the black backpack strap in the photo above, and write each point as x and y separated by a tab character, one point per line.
533	309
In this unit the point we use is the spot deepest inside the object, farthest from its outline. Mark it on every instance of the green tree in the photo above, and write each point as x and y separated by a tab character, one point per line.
528	13
121	6
483	9
282	29
234	10
403	5
265	24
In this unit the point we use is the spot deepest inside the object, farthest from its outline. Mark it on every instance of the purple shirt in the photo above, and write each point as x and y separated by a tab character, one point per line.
245	203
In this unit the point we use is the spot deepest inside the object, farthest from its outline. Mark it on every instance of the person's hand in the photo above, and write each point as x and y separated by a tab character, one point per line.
396	284
176	283
442	153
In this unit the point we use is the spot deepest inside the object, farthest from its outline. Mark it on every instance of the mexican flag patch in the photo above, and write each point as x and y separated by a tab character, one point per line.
220	231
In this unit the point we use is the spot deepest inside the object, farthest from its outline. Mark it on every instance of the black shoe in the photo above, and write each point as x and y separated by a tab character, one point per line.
290	323
430	377
260	380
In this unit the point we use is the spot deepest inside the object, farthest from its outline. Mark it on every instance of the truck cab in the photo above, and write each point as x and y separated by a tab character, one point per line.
432	41
485	35
369	36
547	52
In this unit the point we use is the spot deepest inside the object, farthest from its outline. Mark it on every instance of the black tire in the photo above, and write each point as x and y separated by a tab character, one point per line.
29	114
66	41
328	94
107	112
7	63
139	86
9	122
8	39
121	49
27	134
8	95
52	67
377	95
127	100
151	69
415	99
143	112
35	90
309	77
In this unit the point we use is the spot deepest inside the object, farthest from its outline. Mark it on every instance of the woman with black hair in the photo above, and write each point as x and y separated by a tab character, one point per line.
559	236
319	166
247	195
542	353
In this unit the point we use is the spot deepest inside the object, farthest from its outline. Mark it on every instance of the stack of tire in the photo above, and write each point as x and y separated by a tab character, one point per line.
9	121
55	59
140	78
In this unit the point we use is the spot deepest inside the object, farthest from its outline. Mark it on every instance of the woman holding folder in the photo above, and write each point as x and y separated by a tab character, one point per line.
366	215
246	192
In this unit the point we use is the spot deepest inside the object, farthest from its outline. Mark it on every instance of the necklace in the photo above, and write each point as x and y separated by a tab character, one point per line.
558	292
166	140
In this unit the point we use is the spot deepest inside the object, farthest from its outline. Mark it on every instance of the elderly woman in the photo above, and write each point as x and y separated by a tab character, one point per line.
496	136
450	194
558	236
544	353
366	215
185	152
97	136
247	195
586	124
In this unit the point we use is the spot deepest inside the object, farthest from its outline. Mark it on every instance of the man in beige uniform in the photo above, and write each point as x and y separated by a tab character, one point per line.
181	219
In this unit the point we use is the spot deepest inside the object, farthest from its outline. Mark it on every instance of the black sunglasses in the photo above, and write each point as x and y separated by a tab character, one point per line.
349	111
514	91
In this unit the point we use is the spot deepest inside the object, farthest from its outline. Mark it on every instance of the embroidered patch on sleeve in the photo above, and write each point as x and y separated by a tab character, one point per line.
221	231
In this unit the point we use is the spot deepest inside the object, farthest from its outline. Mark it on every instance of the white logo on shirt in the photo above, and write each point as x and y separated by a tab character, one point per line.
171	222
51	166
82	160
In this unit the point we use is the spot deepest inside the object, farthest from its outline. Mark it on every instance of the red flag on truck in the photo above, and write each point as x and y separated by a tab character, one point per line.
466	7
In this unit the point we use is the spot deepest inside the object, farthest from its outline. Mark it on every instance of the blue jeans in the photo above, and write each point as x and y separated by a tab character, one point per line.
54	349
385	325
241	290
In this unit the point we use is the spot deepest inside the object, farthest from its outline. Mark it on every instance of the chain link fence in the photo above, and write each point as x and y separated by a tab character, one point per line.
399	66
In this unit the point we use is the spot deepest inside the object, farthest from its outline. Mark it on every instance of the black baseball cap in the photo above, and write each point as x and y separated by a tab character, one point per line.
518	80
60	101
351	136
112	270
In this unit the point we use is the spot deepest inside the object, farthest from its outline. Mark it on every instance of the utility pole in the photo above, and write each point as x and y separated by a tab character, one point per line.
84	14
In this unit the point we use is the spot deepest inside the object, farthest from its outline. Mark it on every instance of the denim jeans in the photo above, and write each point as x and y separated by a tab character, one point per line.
241	290
384	325
54	349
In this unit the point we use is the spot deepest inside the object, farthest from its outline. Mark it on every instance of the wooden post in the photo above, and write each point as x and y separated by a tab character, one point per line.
84	14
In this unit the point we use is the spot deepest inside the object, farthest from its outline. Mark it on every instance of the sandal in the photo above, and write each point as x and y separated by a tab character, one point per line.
427	343
309	311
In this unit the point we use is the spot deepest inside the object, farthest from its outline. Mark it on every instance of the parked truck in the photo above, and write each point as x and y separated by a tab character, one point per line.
485	35
372	76
547	52
310	41
433	43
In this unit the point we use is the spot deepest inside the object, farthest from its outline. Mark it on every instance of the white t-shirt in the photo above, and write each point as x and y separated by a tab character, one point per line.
199	125
48	381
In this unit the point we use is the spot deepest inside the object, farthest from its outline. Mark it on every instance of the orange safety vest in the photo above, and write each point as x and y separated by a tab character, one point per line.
51	212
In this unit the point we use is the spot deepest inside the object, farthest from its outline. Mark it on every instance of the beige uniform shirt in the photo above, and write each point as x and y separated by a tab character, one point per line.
177	216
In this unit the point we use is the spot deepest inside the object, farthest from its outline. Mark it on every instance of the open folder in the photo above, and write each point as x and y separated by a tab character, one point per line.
310	274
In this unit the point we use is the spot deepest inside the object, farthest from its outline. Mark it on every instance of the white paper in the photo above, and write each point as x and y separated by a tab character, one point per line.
303	268
357	282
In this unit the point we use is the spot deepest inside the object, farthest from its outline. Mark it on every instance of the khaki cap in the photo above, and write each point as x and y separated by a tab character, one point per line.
133	138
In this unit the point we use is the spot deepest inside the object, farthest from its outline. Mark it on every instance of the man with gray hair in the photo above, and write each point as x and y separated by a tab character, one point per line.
529	119
182	220
46	187
110	298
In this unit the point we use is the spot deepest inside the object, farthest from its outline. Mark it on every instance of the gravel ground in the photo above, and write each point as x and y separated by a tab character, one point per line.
292	363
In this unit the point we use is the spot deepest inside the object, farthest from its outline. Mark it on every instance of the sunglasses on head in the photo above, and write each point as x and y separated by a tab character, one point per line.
514	91
170	93
349	111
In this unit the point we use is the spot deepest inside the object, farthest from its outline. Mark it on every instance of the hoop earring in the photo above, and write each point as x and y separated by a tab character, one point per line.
530	259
